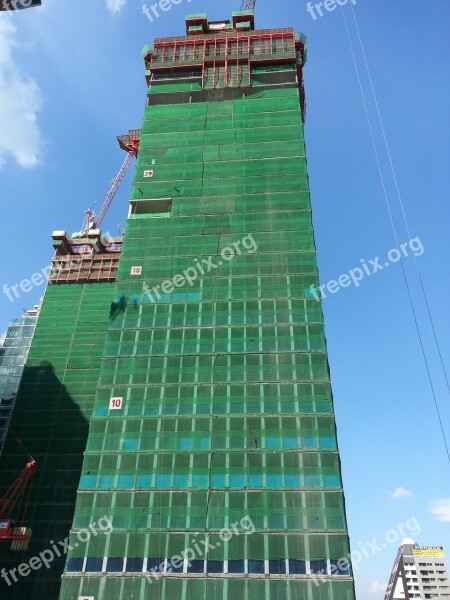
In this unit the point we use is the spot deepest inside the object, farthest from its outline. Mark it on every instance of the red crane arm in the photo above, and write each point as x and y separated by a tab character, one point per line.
130	144
16	491
113	190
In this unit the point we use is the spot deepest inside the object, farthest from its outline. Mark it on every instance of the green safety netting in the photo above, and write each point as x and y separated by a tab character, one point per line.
178	588
227	406
51	417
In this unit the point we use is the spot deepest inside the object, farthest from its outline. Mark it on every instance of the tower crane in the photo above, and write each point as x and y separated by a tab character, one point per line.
129	143
11	506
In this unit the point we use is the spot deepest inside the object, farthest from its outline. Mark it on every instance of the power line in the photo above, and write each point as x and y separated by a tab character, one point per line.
400	198
388	206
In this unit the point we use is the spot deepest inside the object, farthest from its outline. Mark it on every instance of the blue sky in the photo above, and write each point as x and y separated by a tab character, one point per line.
71	79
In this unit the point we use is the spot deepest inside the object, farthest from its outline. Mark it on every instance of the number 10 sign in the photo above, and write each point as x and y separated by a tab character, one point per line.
115	403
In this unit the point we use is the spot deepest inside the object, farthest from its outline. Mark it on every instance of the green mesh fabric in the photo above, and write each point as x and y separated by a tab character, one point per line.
51	416
227	408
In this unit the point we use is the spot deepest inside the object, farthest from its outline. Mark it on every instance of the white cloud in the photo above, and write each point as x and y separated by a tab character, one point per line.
2	339
115	6
441	510
20	101
377	587
400	492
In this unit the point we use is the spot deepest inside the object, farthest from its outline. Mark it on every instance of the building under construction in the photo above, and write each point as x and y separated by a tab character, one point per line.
178	382
54	405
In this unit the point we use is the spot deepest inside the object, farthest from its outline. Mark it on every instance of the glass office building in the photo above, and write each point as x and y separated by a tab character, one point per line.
13	356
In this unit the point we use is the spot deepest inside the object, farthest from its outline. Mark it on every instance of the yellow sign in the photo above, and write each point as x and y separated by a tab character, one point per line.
428	552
